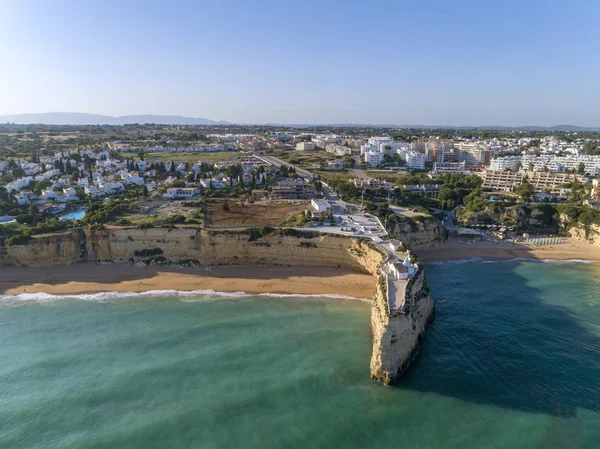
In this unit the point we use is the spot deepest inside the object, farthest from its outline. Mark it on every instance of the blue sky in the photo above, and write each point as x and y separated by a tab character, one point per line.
435	62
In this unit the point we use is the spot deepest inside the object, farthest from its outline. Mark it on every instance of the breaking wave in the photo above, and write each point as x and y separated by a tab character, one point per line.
184	296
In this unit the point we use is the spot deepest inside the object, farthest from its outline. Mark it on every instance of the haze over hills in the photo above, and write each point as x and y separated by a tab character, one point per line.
80	118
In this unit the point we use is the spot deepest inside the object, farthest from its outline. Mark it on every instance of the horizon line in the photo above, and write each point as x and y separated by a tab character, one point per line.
228	123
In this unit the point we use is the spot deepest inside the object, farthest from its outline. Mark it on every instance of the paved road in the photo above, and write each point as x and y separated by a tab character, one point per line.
337	204
278	163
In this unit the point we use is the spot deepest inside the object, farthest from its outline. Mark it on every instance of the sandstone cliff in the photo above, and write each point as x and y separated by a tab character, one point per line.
203	247
420	232
51	250
396	338
589	233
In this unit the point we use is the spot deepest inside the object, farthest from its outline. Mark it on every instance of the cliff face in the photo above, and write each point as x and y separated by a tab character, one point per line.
532	218
226	248
204	247
52	250
415	234
590	233
396	338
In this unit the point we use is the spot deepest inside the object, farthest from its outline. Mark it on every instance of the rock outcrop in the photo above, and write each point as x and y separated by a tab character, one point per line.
42	251
397	337
419	232
590	233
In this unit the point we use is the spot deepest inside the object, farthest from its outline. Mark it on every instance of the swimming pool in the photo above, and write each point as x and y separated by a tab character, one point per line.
6	219
75	215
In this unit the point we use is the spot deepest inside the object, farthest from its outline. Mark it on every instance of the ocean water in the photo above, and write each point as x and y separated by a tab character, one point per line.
511	361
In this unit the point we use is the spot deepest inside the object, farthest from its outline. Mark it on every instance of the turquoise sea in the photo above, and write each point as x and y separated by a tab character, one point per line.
511	361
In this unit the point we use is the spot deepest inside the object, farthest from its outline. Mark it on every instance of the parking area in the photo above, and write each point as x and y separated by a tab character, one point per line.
357	225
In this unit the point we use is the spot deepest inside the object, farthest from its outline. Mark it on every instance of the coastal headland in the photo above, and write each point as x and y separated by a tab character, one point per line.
132	259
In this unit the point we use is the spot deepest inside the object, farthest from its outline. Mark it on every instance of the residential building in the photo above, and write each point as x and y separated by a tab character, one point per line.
506	181
442	168
414	160
305	146
320	205
374	158
181	192
372	184
505	163
501	181
293	189
421	189
338	150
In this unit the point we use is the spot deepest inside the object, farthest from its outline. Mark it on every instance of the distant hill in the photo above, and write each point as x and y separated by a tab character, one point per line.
78	118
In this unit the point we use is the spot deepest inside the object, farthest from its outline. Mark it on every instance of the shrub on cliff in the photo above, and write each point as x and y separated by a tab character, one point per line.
19	239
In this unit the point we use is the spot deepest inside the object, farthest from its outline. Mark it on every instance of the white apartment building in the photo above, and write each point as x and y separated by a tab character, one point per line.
132	178
414	160
367	147
385	145
320	205
374	158
18	184
181	192
338	150
305	146
442	168
25	197
506	181
551	163
505	163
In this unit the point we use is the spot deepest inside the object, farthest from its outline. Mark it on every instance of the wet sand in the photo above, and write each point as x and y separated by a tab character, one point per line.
93	278
453	250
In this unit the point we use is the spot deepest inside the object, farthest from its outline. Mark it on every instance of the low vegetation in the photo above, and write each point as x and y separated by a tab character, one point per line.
238	213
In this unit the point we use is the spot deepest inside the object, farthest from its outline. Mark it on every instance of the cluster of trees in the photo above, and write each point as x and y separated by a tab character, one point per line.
591	147
525	190
99	213
456	187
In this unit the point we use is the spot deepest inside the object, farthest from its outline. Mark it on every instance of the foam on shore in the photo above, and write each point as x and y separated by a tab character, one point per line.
184	296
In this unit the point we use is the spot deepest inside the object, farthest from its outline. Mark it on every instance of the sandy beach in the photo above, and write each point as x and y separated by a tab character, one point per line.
453	250
93	278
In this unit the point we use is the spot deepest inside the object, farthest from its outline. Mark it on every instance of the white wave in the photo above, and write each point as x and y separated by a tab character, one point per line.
184	296
299	295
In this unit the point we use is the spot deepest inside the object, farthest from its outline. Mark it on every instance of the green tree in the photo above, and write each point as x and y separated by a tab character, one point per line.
590	147
525	191
41	185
